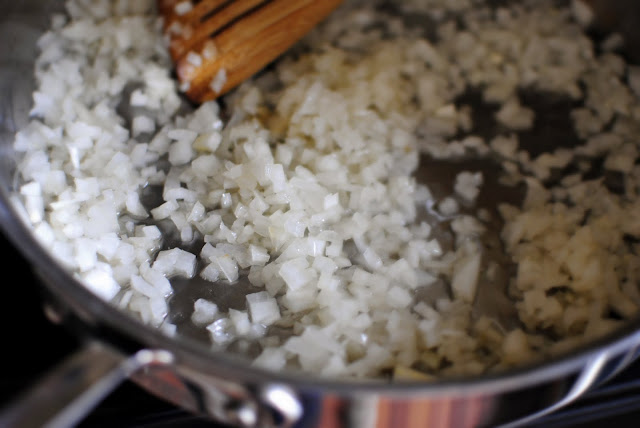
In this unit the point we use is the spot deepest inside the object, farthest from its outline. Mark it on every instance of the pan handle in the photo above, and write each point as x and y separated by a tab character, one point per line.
586	380
68	393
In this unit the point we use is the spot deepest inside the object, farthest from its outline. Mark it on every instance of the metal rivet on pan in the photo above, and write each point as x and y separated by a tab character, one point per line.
242	412
285	402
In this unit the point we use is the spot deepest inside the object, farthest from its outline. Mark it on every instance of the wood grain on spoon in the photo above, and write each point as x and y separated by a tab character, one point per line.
239	37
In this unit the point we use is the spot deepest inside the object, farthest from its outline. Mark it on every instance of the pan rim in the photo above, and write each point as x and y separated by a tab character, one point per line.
94	311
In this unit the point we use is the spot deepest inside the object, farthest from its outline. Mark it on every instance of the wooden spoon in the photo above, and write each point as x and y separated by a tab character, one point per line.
217	44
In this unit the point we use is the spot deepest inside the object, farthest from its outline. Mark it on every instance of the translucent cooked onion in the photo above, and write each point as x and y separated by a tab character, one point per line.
303	192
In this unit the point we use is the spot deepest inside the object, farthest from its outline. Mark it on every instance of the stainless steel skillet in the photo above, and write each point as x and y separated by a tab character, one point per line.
224	386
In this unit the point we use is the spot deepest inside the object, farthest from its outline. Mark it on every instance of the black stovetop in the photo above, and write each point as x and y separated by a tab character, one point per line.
33	345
